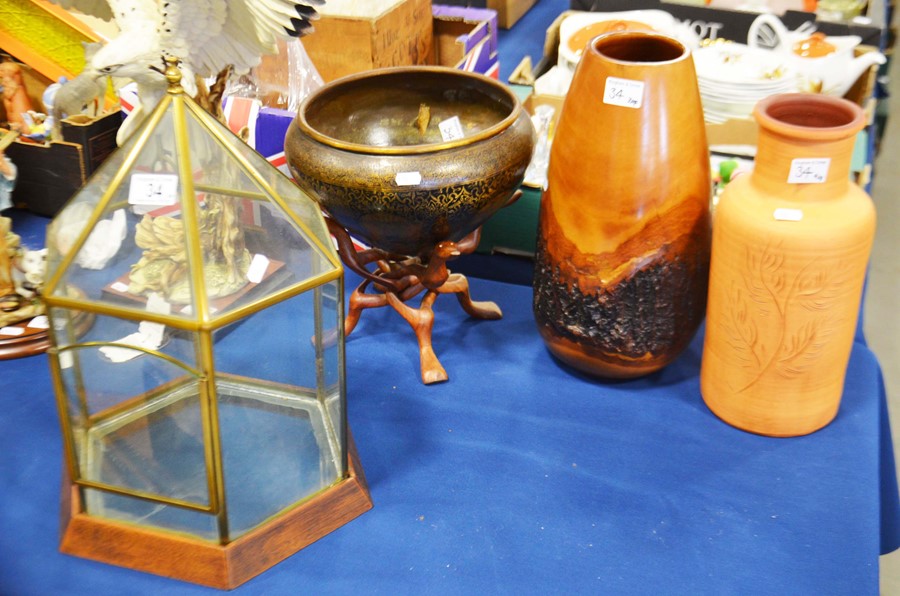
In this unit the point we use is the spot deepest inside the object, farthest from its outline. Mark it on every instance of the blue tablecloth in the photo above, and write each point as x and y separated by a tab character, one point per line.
521	476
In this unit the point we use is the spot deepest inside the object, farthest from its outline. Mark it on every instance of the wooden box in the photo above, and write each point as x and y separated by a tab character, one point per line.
390	33
510	11
465	38
50	173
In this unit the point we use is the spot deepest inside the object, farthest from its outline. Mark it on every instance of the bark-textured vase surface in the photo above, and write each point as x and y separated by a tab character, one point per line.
791	243
622	260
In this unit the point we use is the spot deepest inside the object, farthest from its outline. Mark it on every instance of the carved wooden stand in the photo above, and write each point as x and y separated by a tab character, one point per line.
398	279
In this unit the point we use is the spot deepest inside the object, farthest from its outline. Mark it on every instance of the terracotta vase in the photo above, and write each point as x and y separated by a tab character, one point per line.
622	259
791	243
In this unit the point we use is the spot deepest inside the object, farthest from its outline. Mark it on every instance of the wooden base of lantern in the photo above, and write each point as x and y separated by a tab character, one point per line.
200	562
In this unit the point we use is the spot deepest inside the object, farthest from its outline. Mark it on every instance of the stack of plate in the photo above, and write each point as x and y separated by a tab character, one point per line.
733	77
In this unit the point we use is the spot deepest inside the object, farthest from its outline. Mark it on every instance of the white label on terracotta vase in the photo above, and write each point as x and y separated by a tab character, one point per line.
120	286
153	189
785	214
809	170
408	178
257	269
451	129
623	92
12	330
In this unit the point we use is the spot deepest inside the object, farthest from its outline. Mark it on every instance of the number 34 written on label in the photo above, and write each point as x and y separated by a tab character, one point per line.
623	92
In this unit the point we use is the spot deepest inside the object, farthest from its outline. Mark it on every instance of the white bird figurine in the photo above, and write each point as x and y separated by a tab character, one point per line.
205	35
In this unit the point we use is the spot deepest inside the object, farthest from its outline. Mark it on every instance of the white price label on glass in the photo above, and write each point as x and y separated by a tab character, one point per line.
39	322
153	189
623	92
451	129
258	267
809	170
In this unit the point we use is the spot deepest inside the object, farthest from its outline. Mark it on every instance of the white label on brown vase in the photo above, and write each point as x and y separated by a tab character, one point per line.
786	214
809	170
408	178
153	189
451	129
623	92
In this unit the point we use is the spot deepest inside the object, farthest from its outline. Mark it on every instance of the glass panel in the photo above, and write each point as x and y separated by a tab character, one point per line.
137	245
152	444
134	414
250	247
280	406
276	449
145	513
331	349
303	206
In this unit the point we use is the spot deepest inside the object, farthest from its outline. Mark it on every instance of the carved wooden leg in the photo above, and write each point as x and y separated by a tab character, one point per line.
359	301
422	321
459	285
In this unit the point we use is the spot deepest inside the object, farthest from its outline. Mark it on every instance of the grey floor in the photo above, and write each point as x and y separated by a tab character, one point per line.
882	325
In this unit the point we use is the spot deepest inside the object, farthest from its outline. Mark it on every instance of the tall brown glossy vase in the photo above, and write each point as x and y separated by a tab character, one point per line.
623	245
791	243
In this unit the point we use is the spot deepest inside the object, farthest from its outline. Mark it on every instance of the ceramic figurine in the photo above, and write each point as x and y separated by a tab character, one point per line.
205	35
81	95
15	97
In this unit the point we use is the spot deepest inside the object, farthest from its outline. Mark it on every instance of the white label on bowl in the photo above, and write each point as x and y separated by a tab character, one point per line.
120	286
809	171
153	189
785	214
408	178
257	269
451	129
623	92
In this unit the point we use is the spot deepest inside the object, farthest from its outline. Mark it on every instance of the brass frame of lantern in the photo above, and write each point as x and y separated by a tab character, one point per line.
228	563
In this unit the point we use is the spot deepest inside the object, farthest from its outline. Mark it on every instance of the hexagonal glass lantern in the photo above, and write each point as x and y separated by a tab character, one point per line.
196	307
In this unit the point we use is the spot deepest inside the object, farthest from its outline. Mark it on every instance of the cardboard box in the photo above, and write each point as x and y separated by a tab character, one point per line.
50	173
466	3
96	135
721	23
399	35
465	38
509	11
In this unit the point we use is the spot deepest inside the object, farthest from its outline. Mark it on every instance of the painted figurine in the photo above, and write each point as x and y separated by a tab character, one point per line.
9	299
15	97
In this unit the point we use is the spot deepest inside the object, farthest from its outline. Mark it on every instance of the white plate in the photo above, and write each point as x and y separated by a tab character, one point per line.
738	64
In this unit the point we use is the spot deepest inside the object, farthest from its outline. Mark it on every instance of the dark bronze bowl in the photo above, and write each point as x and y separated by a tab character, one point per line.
361	146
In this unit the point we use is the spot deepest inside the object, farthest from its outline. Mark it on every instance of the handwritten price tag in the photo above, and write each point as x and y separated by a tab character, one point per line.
451	129
809	171
623	92
153	189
